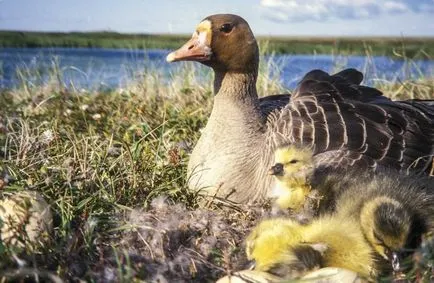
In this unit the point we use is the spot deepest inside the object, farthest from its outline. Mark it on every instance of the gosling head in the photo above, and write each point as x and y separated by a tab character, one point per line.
387	225
223	42
292	163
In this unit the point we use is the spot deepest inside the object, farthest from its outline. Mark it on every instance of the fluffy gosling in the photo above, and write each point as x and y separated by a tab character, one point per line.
292	190
287	249
387	226
394	212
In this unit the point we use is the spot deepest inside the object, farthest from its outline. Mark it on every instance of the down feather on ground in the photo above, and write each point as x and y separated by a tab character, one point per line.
178	244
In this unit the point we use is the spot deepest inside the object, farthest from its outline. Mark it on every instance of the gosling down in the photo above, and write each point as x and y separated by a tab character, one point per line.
287	249
367	222
292	191
394	212
347	123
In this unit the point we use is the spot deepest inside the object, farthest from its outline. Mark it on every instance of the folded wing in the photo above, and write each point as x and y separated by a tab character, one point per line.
349	124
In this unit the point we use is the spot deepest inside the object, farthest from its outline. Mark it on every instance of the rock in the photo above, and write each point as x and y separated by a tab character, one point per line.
26	219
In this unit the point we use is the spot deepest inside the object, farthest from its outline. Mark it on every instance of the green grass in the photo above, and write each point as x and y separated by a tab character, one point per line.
390	46
108	151
96	156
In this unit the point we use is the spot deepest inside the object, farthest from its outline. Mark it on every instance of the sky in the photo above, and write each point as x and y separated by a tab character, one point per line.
266	17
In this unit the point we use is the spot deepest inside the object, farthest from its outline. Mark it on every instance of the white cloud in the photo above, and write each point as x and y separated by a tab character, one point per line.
349	2
276	3
318	10
395	6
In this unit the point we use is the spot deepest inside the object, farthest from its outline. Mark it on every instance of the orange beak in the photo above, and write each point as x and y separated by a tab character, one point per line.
195	49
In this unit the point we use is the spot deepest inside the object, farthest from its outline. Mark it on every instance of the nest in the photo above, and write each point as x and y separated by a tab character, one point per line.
171	243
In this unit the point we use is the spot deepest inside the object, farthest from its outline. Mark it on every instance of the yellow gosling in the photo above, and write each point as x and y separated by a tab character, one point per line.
386	225
292	169
285	248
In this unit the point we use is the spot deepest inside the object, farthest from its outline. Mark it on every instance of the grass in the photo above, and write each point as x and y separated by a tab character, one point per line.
99	158
413	47
104	152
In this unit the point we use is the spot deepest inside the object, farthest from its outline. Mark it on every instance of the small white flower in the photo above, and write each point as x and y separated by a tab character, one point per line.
91	224
84	107
109	274
67	112
96	116
47	136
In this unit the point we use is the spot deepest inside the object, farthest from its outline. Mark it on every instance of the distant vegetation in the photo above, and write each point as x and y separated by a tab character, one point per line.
88	40
389	46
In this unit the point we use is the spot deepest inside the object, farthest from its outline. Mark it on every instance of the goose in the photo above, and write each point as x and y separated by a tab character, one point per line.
347	124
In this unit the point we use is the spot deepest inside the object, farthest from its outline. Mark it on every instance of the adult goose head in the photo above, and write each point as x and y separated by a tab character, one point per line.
346	124
223	42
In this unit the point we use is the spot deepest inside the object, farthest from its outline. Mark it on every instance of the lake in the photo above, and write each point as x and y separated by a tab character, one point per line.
115	68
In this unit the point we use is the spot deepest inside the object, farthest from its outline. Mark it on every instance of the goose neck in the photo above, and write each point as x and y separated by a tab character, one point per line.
235	85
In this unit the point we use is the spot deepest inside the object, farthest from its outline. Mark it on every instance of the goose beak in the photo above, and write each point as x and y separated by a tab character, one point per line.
196	49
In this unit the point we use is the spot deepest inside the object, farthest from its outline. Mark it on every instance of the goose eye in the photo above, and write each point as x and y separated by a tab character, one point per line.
226	28
293	161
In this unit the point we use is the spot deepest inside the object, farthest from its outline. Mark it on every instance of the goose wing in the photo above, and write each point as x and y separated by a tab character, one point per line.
349	124
424	107
271	103
276	102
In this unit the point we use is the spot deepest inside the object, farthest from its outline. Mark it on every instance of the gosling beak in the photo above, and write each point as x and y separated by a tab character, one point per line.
276	170
251	265
196	49
396	261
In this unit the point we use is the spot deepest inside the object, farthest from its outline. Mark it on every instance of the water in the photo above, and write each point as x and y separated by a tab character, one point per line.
116	68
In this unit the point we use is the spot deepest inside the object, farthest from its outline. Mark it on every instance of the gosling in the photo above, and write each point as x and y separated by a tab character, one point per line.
387	226
394	212
292	190
287	249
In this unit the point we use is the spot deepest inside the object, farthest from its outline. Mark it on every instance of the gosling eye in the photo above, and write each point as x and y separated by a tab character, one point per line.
293	161
226	28
377	237
381	243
